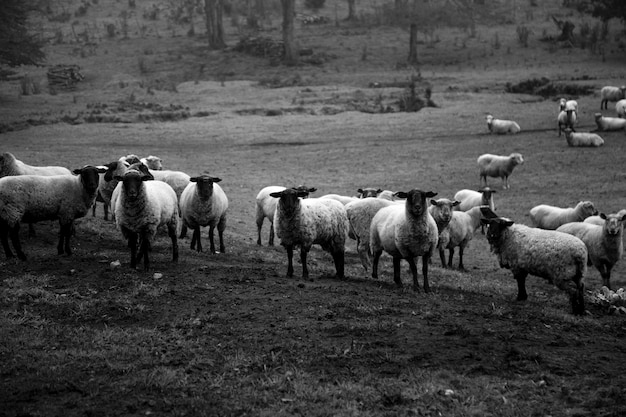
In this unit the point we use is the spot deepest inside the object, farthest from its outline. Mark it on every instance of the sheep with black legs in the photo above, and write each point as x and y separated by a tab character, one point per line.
405	231
34	198
611	93
549	217
558	257
470	198
442	211
498	166
460	232
566	120
204	203
306	222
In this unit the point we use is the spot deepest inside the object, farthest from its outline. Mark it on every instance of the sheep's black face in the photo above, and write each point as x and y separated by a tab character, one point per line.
110	172
289	200
369	192
89	176
132	183
204	185
416	201
496	229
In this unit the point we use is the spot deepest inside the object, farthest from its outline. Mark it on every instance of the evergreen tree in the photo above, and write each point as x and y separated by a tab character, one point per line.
17	46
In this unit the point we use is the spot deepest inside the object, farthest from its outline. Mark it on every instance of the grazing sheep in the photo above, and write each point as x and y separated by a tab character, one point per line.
498	166
610	93
266	207
607	124
306	222
605	245
405	231
501	127
34	198
442	211
204	203
360	214
368	192
152	162
620	109
140	209
566	120
558	257
548	217
461	231
583	139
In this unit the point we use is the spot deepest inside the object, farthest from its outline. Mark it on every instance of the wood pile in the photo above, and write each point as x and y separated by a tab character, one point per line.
64	77
261	46
312	19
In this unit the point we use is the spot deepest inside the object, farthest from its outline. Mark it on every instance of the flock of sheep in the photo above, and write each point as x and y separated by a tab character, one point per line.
405	224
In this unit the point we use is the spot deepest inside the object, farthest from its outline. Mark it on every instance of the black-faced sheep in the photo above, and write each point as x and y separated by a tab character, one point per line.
566	120
498	166
153	162
549	217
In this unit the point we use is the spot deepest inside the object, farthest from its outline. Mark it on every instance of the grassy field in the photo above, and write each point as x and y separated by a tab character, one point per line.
228	334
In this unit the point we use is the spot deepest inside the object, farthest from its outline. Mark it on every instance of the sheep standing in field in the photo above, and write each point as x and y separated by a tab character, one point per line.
107	184
405	231
442	211
566	120
549	217
204	203
11	166
564	104
605	244
306	222
266	207
461	229
620	109
140	209
583	139
498	166
152	162
501	127
34	198
607	124
558	257
610	93
360	214
471	198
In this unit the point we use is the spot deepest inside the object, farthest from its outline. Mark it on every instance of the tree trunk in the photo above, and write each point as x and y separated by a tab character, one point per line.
351	10
291	50
213	10
413	44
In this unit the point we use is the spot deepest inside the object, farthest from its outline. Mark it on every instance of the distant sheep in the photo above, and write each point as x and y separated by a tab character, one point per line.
607	124
107	184
583	139
471	198
548	217
501	127
620	109
566	120
266	207
306	222
610	93
565	104
558	257
204	203
498	166
153	162
35	198
405	231
368	192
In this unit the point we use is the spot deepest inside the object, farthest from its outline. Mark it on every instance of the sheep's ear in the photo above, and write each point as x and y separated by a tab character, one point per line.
276	195
430	194
77	171
603	216
360	191
401	194
118	178
216	179
193	179
101	170
380	190
433	202
488	213
312	189
302	194
455	203
147	177
623	217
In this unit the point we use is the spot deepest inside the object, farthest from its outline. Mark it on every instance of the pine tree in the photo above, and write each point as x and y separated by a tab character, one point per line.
17	46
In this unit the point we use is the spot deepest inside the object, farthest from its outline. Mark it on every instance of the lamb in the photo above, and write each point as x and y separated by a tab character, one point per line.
501	127
152	162
305	222
204	203
583	139
142	207
610	93
442	211
605	245
266	207
405	231
558	257
34	198
548	217
620	108
606	124
498	166
471	198
461	231
566	120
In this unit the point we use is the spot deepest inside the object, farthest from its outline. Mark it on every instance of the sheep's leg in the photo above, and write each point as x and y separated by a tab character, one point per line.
289	260
132	244
105	207
258	228
144	248
605	273
520	277
375	264
450	256
14	233
221	226
171	231
65	231
338	258
93	209
271	241
425	260
413	268
442	256
363	249
195	239
461	266
183	231
212	238
305	270
4	237
396	271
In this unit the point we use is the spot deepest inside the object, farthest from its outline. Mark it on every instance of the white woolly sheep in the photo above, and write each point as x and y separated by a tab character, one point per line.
178	180
34	198
565	104
471	198
388	195
405	231
461	231
620	109
605	245
204	203
140	209
558	257
11	166
498	166
343	199
607	124
107	184
152	162
368	192
583	139
360	214
266	207
611	93
306	222
566	120
549	217
501	127
442	211
597	220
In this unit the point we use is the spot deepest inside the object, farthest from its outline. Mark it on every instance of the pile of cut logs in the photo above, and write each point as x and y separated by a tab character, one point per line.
261	46
64	77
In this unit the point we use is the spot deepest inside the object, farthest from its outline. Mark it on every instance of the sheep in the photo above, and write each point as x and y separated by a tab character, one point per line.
152	162
596	219
501	127
583	139
460	232
566	120
141	207
305	222
178	180
360	214
605	245
266	207
606	124
343	199
498	166
107	184
564	104
471	198
204	203
610	93
368	192
442	211
620	109
558	257
405	231
388	195
549	217
34	198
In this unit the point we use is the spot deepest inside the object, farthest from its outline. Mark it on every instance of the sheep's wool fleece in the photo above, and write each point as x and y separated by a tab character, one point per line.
544	253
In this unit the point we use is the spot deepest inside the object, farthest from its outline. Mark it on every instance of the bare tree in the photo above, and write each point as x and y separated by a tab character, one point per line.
351	10
213	11
289	40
